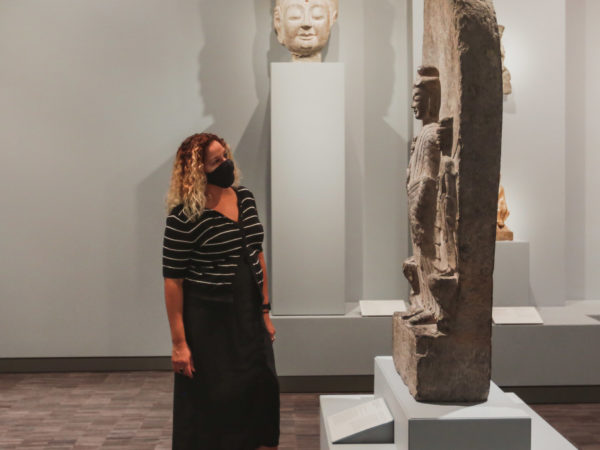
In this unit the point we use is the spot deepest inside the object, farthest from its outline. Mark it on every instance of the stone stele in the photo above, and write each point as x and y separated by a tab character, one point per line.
442	345
303	26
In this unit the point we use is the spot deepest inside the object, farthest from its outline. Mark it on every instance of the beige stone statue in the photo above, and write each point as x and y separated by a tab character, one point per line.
303	26
503	233
506	86
431	186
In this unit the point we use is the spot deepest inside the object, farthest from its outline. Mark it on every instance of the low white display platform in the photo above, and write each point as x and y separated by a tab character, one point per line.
551	354
331	344
511	274
556	353
516	315
501	423
381	307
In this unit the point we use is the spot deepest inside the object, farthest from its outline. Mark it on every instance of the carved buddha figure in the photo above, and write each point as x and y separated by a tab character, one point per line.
303	26
431	186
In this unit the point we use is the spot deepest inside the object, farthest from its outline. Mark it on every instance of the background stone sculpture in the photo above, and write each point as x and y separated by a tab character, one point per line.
503	233
442	345
303	26
506	86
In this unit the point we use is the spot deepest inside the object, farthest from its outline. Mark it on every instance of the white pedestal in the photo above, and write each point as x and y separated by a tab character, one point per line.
495	424
511	274
308	188
501	423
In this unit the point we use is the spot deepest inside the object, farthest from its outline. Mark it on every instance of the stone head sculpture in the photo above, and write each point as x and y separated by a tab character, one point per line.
303	26
426	98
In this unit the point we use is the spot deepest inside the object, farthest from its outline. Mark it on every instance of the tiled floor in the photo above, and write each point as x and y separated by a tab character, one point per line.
132	410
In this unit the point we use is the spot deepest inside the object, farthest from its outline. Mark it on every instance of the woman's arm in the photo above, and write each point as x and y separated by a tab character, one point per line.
266	316
181	357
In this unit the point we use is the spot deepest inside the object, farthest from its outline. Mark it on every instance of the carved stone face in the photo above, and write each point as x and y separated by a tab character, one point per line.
420	103
303	26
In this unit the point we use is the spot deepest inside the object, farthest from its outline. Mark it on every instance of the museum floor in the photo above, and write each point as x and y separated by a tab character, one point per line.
132	410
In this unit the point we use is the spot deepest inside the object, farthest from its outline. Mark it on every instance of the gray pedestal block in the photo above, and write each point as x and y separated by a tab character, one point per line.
511	274
497	424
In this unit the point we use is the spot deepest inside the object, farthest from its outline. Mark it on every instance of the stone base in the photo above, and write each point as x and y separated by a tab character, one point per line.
504	234
438	367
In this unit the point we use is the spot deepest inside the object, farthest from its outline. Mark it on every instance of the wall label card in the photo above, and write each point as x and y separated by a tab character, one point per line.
516	315
358	419
381	307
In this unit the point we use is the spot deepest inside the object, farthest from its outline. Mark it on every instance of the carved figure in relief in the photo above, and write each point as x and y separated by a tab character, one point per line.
303	26
447	208
432	201
442	345
503	233
506	86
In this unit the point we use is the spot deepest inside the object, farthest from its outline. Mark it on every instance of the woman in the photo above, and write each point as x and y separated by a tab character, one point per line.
226	394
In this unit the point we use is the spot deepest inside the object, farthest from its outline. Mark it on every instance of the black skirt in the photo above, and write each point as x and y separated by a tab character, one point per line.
232	403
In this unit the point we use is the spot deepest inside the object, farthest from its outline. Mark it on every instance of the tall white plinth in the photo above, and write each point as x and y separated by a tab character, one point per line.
307	188
497	424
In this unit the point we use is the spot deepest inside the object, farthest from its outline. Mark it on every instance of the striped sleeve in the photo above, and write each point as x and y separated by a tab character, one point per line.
253	228
177	245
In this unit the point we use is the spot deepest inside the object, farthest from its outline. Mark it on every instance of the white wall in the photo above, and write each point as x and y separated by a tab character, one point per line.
583	149
533	139
97	96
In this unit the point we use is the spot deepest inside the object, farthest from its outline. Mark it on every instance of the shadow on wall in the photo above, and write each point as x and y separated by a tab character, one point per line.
151	194
134	272
386	156
221	88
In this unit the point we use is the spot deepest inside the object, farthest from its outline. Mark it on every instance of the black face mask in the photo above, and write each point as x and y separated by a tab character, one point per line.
223	175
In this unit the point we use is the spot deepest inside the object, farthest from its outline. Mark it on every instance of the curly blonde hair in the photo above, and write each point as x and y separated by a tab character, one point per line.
188	180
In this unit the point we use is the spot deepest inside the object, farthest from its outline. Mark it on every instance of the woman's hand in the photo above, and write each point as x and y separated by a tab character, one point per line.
269	325
181	359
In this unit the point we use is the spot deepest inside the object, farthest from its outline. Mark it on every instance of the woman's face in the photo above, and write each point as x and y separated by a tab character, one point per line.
214	156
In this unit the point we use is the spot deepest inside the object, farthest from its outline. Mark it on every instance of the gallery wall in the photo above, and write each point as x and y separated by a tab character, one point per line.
533	139
96	97
582	149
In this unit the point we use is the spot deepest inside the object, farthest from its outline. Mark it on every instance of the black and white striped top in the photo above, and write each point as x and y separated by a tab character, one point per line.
206	252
